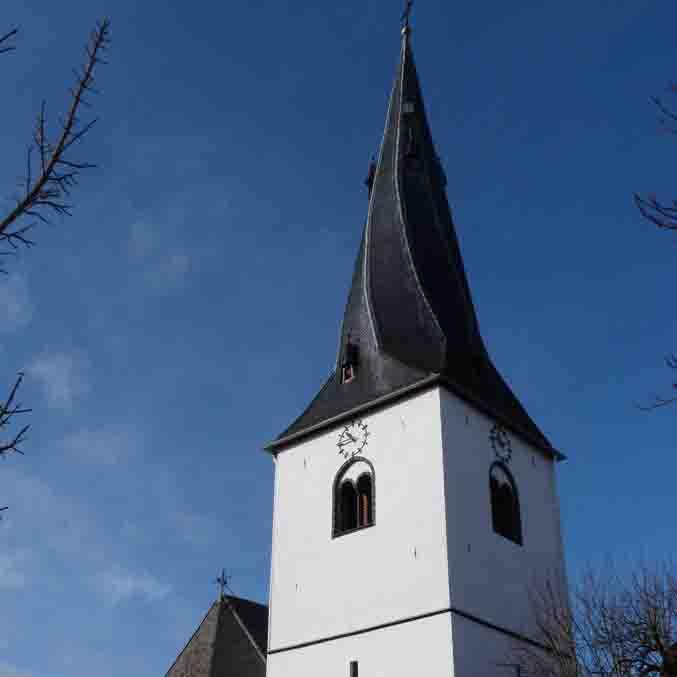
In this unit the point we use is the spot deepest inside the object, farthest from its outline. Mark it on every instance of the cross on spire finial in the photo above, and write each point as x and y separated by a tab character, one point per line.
222	582
406	15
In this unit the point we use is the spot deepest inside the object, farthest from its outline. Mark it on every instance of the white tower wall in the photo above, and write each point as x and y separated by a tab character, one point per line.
323	586
490	576
430	585
422	647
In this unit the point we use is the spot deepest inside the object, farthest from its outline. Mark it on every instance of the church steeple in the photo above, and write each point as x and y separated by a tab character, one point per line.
409	321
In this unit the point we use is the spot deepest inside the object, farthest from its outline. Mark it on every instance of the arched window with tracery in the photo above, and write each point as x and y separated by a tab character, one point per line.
353	497
505	506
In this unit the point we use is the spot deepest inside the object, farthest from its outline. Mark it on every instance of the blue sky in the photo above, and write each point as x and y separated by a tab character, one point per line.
190	308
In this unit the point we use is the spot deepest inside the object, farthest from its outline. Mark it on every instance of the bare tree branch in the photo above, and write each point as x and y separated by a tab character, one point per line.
610	625
664	216
667	117
46	189
660	401
660	214
8	411
51	174
4	39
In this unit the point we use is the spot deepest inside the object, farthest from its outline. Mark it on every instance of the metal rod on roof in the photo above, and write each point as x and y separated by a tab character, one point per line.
222	581
406	15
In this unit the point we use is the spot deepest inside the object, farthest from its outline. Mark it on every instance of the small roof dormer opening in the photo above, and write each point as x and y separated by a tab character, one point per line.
349	364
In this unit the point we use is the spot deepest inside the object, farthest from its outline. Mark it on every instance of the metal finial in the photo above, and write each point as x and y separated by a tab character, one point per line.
222	582
406	16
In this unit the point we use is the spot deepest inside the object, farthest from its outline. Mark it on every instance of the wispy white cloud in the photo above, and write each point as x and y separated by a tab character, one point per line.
194	529
68	532
64	526
117	585
62	375
163	262
13	566
168	272
105	447
7	670
142	239
16	306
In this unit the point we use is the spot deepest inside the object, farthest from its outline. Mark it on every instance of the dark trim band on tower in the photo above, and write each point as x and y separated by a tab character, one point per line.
410	619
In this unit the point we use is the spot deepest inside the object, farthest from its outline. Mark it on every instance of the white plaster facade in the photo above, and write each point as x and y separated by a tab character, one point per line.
396	650
388	595
490	576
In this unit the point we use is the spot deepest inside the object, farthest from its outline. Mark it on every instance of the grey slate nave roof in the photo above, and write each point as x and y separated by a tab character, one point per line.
231	641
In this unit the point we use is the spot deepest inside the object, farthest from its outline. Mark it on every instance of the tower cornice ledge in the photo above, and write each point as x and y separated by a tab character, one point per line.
434	380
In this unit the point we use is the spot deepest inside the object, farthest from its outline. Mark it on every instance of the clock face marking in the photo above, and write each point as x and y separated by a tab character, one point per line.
500	442
353	438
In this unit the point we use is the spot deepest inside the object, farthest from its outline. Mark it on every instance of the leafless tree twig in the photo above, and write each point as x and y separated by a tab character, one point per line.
51	172
664	216
661	214
4	40
611	626
659	400
8	411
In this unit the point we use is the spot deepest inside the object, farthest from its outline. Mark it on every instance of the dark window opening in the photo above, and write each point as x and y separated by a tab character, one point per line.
353	669
347	373
505	508
348	517
364	501
351	358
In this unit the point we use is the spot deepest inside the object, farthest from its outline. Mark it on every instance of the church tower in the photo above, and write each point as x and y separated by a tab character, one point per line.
415	502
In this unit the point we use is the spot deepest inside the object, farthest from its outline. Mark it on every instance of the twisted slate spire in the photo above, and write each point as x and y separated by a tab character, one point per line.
410	318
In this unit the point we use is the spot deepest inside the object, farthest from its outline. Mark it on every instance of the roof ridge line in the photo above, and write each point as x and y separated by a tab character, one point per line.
241	623
370	209
396	180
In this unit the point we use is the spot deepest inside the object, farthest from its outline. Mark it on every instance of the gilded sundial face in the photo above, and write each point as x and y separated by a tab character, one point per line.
353	438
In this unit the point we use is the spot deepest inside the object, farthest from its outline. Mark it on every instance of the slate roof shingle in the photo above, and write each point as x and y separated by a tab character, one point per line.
230	641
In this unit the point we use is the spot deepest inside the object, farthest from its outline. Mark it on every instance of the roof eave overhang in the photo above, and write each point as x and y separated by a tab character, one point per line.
518	430
279	445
